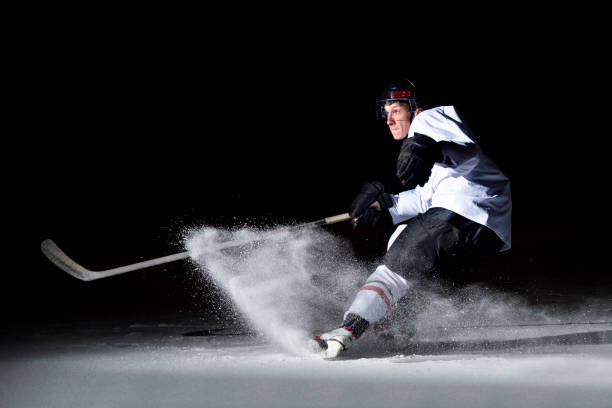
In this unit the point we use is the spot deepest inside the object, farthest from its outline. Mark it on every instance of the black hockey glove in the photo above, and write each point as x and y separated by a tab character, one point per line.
369	205
416	159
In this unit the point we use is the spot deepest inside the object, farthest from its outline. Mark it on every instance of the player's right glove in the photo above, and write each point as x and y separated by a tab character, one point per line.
369	205
416	159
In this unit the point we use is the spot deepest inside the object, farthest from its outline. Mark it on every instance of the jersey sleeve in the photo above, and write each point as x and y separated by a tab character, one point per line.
410	203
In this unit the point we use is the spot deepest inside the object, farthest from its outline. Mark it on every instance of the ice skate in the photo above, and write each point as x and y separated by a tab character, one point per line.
399	334
398	327
332	343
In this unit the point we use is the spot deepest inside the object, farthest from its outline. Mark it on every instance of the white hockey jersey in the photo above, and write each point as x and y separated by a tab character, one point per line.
467	182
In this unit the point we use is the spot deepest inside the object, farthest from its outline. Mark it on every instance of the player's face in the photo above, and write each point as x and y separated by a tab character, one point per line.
398	120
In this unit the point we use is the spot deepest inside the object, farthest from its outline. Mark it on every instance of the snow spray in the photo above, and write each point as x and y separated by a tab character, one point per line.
287	286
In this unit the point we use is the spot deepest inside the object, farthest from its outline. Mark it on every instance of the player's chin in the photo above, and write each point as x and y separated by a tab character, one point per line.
398	135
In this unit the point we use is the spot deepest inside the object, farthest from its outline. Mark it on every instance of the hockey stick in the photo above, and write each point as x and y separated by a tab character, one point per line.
63	261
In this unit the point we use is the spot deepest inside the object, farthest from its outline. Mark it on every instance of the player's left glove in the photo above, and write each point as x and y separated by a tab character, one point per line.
416	159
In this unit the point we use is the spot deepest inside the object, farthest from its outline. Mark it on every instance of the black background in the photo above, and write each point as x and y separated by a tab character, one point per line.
125	140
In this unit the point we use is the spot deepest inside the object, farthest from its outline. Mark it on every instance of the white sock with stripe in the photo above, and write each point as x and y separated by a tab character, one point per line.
382	289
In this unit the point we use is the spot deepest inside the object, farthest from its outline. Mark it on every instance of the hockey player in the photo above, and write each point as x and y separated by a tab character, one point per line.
456	206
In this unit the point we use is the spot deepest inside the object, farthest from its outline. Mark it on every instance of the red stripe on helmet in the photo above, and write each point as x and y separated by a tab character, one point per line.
401	94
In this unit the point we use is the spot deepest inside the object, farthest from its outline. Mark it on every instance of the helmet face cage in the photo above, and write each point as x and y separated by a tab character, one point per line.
381	113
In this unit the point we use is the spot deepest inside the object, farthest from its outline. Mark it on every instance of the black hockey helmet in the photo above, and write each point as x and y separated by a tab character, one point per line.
401	91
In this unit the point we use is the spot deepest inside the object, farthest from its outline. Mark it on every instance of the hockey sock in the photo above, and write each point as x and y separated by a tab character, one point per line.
382	289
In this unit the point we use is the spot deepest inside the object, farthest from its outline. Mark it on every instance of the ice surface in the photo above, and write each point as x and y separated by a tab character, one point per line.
137	365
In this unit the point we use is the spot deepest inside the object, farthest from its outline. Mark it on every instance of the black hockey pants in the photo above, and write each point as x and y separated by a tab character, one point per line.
438	243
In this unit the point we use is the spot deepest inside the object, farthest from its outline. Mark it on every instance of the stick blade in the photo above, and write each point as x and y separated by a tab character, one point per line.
62	261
